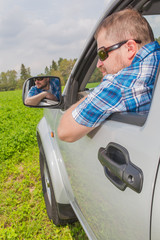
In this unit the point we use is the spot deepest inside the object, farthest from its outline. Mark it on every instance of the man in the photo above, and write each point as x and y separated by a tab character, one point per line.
44	88
130	56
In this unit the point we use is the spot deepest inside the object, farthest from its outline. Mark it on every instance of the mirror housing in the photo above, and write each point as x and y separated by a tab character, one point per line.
42	91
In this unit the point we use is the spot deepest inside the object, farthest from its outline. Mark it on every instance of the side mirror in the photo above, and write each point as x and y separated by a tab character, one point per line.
42	91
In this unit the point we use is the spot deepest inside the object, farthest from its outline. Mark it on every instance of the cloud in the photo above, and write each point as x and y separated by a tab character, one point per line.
34	32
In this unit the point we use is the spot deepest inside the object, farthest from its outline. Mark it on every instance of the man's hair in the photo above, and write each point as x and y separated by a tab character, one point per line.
126	24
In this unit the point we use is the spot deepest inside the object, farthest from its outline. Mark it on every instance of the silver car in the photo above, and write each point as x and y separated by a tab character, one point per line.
110	179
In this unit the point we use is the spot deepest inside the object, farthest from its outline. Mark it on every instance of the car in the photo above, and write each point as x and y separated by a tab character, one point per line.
109	179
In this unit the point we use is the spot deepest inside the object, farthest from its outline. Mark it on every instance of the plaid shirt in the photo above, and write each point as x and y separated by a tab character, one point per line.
128	90
55	89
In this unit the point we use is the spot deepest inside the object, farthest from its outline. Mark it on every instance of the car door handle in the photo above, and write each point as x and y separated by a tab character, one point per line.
119	169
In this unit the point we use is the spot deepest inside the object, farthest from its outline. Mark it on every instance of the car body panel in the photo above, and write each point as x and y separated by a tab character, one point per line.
155	235
49	147
97	197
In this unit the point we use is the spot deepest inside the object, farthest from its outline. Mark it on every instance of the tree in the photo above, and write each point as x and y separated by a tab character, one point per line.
58	74
59	61
96	76
47	71
65	67
61	70
25	73
53	66
8	80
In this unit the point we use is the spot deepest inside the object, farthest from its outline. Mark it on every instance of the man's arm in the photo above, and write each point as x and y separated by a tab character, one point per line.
35	100
69	130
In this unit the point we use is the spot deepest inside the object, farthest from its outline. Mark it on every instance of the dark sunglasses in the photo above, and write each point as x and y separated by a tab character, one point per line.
103	52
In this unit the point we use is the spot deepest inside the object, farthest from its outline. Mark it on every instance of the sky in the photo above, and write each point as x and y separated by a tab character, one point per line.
35	32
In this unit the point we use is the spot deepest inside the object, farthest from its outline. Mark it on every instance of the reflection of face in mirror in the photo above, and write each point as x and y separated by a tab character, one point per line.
45	88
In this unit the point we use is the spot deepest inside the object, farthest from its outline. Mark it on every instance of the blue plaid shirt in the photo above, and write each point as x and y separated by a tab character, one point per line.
128	90
55	89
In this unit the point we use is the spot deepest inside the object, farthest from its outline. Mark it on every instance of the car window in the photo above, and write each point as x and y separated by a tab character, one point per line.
154	22
95	79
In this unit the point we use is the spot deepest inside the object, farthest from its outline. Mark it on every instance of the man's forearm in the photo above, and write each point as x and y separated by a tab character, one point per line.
69	130
35	100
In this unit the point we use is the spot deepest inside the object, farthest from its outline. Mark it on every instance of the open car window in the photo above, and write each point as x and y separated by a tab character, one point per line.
94	78
154	21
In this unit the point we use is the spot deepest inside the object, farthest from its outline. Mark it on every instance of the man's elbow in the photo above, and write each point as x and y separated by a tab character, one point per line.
29	102
65	136
26	101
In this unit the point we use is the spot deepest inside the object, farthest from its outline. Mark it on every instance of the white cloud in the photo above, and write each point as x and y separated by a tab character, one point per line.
34	32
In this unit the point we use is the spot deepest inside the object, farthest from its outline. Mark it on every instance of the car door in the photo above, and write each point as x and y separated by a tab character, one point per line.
108	210
111	172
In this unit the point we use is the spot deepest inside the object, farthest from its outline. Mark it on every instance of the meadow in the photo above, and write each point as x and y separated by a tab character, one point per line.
22	208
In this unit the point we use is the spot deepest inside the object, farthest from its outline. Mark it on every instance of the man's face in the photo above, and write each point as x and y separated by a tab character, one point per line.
42	83
116	60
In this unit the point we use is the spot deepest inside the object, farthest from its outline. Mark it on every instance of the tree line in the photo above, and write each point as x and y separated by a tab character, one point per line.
10	81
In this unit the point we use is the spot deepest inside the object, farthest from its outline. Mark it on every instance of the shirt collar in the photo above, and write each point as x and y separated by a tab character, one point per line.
146	50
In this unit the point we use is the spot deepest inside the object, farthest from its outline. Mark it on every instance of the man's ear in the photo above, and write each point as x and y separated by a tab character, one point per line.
132	49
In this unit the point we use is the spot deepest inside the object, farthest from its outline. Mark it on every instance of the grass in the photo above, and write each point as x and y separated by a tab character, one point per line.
22	208
92	85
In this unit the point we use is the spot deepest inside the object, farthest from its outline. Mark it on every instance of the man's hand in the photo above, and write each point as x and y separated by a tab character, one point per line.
50	96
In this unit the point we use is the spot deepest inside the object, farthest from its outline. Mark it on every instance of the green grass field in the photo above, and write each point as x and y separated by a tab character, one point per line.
22	208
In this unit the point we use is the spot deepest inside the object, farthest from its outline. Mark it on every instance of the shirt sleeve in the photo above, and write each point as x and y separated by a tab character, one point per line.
100	103
56	88
32	92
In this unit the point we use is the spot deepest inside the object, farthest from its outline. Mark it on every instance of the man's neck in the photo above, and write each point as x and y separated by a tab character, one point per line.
46	87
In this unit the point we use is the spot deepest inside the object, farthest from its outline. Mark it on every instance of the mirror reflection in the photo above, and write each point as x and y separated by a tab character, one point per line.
42	91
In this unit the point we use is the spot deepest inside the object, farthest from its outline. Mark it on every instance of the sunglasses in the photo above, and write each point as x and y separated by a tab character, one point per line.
103	52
